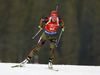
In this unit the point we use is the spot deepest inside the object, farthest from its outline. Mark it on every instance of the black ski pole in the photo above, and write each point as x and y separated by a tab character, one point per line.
59	38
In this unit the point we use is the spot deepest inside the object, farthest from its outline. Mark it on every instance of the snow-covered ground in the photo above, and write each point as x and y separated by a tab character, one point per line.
41	69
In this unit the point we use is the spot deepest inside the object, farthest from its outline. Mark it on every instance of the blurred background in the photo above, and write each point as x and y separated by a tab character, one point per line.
79	44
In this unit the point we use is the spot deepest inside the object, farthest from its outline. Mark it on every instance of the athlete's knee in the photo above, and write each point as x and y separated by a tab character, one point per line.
41	42
52	50
51	54
53	41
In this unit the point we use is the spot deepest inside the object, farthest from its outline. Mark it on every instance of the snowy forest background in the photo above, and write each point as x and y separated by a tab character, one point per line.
79	44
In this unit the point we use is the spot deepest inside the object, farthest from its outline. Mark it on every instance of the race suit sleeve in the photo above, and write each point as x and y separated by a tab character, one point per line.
61	22
44	20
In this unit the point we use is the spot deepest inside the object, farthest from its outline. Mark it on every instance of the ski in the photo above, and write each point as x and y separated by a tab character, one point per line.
17	66
21	64
53	69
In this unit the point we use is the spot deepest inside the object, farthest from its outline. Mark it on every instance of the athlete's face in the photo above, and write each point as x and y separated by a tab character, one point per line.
54	18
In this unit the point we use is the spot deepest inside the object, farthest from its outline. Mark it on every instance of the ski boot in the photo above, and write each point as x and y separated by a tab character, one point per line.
22	63
25	61
50	64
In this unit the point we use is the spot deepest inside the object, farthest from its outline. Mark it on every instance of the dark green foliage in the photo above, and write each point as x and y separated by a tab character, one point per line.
79	44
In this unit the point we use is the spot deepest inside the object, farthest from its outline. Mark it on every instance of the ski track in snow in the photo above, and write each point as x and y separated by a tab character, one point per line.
42	69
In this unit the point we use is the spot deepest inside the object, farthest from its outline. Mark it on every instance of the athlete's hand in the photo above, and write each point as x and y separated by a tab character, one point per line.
40	27
63	29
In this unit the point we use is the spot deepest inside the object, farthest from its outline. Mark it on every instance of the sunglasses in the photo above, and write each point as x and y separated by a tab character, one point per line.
54	17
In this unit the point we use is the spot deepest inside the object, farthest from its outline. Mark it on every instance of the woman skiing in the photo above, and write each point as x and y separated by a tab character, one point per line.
50	33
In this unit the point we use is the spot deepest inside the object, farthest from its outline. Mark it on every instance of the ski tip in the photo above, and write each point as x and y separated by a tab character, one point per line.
13	66
53	69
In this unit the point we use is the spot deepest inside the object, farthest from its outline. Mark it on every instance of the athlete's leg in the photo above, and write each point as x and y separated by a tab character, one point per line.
41	42
51	54
52	46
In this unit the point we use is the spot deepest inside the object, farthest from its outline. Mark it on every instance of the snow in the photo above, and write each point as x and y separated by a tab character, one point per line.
41	69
